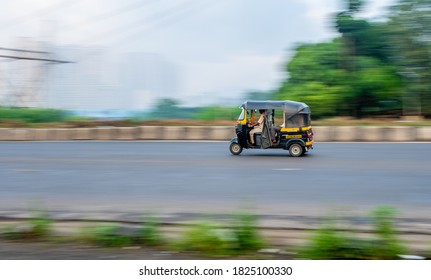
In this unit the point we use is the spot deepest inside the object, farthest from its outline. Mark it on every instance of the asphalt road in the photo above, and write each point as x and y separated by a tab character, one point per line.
165	177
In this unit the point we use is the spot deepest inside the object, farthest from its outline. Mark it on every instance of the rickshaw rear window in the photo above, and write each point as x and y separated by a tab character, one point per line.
298	120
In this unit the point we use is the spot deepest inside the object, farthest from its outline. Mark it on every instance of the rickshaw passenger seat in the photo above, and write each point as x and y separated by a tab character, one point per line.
257	138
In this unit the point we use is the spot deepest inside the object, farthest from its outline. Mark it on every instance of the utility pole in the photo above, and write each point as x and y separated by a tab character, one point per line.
30	67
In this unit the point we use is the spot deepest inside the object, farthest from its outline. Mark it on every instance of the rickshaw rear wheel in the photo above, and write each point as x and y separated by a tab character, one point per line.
296	150
235	148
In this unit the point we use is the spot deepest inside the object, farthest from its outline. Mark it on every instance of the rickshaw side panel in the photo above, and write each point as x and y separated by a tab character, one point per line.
304	136
241	133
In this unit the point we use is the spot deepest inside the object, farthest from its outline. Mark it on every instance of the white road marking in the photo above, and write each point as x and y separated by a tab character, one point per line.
25	170
288	169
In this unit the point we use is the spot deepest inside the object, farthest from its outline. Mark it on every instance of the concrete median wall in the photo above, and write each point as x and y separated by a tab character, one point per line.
217	133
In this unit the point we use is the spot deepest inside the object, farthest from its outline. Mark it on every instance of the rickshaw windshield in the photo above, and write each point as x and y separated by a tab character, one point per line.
297	120
242	115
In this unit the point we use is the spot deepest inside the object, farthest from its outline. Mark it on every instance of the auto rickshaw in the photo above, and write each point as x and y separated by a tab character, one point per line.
293	134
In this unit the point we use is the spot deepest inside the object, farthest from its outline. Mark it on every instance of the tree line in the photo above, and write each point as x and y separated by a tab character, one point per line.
372	68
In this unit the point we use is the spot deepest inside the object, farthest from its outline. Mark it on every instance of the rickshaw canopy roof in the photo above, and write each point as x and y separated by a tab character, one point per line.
289	107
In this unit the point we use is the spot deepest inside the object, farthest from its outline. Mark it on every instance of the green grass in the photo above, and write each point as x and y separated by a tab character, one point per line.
106	235
150	233
38	227
216	240
329	243
246	233
206	238
238	237
41	225
32	115
387	244
113	235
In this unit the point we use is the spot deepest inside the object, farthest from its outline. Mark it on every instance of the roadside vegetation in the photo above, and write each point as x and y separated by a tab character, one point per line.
37	228
330	243
24	116
239	237
147	233
242	237
207	116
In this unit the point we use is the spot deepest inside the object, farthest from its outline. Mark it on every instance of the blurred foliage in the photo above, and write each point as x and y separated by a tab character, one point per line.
206	238
114	235
241	238
168	108
33	115
246	233
107	235
38	227
217	113
409	35
171	109
257	95
330	243
373	68
41	225
388	244
150	233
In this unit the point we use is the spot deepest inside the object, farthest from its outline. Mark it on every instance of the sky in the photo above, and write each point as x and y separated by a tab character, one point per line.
220	48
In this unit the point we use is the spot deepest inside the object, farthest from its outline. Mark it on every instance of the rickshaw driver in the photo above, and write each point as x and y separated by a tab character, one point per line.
257	126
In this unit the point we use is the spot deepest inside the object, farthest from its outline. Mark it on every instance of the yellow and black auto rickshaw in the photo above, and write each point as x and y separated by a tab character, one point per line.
293	134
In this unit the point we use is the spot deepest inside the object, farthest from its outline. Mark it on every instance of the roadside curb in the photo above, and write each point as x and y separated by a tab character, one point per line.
213	133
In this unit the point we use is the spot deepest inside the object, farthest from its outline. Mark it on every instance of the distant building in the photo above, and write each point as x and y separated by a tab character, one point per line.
145	78
94	80
97	81
87	83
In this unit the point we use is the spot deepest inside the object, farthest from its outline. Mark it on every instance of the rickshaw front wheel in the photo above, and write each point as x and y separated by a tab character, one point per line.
296	150
235	148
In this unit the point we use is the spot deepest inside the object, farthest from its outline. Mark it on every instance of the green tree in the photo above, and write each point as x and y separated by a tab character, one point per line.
375	84
168	108
257	95
355	5
409	34
350	75
365	55
316	79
